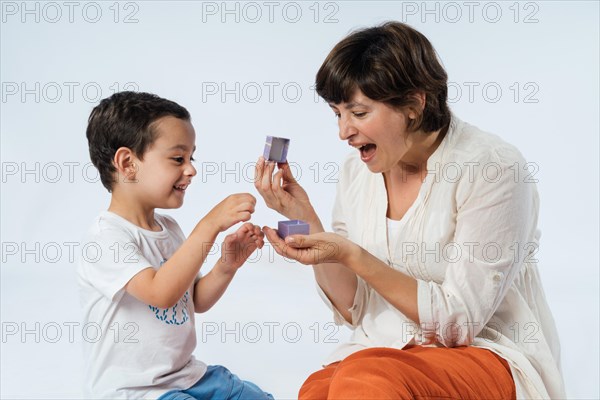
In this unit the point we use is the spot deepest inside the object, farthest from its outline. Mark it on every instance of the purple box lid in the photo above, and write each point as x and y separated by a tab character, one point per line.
276	149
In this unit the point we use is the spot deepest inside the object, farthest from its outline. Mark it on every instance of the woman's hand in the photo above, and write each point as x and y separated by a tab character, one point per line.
281	191
313	249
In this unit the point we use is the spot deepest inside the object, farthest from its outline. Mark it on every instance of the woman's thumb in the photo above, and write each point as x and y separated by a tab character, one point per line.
287	173
298	241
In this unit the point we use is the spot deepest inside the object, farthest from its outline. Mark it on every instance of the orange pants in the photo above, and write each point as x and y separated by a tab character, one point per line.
413	373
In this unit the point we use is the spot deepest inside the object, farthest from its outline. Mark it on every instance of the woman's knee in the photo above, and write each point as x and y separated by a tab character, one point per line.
316	386
361	378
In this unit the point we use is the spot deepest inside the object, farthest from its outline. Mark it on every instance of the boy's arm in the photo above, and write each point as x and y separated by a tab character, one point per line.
235	250
164	287
209	289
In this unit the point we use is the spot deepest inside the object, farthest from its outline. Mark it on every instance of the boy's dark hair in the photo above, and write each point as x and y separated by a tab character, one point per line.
388	63
126	119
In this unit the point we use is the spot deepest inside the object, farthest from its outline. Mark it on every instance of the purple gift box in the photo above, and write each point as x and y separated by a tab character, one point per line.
276	149
292	227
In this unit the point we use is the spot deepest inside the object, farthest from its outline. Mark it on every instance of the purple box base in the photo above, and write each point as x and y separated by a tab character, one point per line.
292	227
276	149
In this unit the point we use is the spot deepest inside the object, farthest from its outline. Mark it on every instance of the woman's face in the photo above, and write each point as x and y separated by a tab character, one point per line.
375	129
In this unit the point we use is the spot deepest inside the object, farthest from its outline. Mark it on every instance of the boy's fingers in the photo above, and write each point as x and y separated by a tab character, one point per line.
247	227
231	237
242	197
258	232
244	216
247	198
258	239
247	206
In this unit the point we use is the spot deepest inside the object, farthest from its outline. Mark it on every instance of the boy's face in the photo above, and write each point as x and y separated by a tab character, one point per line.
167	169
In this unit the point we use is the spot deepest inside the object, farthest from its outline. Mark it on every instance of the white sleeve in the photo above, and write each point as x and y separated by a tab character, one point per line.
111	258
496	211
338	224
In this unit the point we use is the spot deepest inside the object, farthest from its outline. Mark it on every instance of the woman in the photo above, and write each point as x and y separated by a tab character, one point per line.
431	263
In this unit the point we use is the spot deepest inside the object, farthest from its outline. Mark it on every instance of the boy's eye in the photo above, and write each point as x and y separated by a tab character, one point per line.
359	114
181	160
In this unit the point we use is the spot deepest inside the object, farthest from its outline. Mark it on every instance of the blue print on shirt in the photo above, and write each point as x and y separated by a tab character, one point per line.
176	315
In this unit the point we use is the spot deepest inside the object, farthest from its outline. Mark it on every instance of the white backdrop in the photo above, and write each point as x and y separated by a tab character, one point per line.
527	71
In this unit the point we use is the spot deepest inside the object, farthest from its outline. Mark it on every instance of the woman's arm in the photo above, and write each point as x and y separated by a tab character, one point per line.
498	214
283	194
348	260
337	282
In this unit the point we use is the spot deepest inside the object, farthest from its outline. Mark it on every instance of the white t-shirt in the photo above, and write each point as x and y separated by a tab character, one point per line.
469	239
132	349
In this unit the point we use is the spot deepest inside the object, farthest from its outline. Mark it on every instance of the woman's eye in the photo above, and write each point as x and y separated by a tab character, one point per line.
337	115
192	159
359	114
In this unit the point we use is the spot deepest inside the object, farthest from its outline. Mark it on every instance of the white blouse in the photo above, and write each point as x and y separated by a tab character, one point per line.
470	240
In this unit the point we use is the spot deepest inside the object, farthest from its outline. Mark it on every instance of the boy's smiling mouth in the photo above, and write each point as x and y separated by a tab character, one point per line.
182	187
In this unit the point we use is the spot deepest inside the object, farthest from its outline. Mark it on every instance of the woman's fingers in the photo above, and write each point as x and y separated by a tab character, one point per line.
271	235
281	247
278	183
266	184
274	239
300	241
287	173
259	170
259	174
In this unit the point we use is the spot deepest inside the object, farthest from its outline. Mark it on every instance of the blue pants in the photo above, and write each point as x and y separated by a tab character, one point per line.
218	383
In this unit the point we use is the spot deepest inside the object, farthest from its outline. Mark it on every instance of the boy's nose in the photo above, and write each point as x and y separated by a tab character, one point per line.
191	170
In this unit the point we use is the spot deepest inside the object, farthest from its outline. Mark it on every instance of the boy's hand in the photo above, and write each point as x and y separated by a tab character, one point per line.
238	246
235	208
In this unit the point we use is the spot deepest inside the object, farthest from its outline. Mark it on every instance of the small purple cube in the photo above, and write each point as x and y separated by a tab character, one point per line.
276	149
292	227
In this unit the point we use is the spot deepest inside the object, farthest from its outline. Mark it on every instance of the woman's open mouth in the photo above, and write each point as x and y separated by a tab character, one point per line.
367	152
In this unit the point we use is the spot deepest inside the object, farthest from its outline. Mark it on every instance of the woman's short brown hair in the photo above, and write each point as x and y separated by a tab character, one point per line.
388	63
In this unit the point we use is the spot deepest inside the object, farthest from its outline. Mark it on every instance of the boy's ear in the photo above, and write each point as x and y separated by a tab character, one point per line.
124	162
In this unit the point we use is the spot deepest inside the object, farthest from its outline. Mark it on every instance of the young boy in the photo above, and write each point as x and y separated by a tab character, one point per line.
139	278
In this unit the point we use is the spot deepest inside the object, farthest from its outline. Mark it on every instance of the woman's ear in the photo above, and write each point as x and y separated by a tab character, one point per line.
124	162
414	109
419	103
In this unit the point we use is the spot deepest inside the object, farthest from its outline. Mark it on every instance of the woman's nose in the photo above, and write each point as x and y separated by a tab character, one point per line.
346	128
